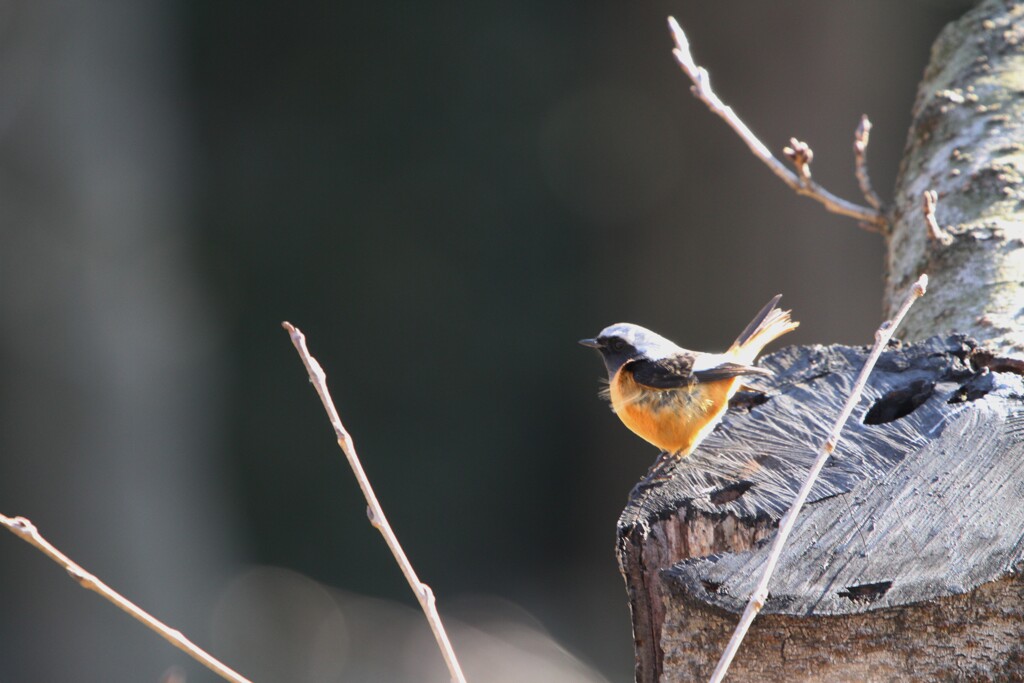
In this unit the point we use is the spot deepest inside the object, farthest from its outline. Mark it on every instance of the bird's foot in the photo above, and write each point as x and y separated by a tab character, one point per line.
659	472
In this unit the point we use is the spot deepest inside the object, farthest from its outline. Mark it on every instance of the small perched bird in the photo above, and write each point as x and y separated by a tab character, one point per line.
672	397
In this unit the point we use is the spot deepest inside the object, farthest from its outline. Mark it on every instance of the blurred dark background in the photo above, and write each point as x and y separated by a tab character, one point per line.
444	197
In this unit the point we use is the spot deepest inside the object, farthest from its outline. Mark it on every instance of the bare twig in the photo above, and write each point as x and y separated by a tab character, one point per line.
860	165
26	531
935	231
870	218
760	594
422	591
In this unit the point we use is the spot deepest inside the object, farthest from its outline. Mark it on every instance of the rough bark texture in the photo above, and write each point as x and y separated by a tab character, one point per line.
968	637
966	143
906	564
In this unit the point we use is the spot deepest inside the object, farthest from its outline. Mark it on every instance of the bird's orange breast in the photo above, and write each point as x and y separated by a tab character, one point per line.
674	420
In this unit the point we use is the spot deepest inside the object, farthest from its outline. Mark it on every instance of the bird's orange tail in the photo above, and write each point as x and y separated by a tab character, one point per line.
769	324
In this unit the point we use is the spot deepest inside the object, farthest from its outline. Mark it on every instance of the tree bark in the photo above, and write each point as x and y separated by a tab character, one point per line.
905	565
967	144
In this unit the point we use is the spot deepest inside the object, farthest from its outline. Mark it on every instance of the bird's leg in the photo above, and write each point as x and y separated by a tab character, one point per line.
658	472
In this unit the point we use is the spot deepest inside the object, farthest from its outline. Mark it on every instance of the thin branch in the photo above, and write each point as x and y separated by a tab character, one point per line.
318	378
860	162
757	599
870	218
935	231
26	531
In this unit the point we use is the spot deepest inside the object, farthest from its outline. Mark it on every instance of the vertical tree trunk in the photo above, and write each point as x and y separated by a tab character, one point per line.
967	144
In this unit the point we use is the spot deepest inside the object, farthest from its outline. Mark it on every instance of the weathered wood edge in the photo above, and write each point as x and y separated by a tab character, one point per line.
977	636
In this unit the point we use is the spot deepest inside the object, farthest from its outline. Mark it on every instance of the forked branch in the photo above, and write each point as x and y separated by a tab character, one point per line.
870	218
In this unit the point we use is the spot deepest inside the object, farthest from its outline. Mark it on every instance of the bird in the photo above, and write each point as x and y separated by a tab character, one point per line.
672	397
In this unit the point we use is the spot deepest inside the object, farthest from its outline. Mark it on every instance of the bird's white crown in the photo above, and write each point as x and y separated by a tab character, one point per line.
650	344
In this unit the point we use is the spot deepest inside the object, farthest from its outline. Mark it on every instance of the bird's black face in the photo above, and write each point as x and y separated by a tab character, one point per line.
615	351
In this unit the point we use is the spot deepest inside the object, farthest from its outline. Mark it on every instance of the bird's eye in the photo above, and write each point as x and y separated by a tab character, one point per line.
617	345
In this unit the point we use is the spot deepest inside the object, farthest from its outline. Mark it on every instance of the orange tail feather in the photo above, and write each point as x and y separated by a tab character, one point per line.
769	324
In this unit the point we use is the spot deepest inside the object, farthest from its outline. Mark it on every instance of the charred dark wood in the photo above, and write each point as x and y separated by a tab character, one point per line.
919	507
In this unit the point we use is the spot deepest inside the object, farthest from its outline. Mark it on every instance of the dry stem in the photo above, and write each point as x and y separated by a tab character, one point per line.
870	218
760	594
26	531
318	378
935	231
860	164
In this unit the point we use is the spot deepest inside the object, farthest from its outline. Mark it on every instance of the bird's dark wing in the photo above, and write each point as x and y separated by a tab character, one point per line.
666	373
677	371
729	370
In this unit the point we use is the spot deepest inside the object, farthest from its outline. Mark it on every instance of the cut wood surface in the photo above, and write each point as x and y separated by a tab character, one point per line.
931	466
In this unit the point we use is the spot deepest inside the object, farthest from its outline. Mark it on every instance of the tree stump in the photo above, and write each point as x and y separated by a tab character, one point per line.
905	563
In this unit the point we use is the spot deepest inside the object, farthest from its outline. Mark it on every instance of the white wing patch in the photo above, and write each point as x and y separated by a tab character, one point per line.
707	361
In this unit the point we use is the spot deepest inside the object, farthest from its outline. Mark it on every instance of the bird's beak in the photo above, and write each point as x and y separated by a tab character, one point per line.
590	343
